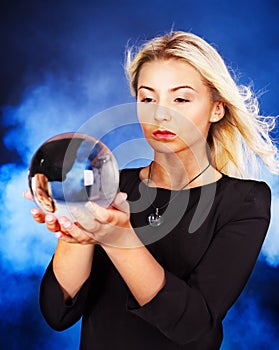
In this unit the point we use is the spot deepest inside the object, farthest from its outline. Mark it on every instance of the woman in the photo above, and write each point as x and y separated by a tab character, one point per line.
162	271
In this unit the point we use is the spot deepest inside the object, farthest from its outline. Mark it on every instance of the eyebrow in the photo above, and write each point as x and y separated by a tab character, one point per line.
172	89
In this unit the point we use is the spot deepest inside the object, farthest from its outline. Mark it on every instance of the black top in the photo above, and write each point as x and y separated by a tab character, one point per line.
208	245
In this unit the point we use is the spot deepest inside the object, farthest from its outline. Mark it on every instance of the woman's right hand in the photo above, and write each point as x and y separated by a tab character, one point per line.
60	225
105	226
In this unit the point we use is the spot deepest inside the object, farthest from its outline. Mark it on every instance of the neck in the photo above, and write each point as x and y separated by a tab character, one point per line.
173	172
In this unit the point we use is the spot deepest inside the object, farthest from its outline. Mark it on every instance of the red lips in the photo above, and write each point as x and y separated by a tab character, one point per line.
163	134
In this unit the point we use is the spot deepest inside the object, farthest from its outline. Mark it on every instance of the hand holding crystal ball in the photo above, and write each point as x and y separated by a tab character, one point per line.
71	169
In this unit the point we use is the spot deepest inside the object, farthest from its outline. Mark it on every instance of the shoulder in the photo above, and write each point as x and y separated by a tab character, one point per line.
246	187
244	196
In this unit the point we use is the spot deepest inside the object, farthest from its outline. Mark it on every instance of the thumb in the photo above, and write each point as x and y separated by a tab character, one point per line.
120	202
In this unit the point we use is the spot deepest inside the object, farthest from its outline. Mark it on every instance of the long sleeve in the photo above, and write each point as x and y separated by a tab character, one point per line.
58	314
186	309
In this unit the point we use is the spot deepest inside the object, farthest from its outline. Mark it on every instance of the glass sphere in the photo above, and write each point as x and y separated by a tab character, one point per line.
71	169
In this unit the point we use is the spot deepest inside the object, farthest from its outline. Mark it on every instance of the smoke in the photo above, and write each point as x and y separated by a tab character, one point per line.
253	319
247	324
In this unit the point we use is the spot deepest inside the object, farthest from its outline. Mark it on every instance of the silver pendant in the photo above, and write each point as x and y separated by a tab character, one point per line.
155	219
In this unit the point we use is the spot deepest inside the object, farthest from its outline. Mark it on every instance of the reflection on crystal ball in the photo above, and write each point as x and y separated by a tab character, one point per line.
71	169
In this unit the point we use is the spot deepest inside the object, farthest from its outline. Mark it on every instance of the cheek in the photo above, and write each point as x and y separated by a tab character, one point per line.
199	120
193	129
146	129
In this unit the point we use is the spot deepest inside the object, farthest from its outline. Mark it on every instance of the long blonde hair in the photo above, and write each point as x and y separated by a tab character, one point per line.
239	140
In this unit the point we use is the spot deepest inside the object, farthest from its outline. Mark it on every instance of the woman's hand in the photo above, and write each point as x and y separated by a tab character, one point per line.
105	226
52	223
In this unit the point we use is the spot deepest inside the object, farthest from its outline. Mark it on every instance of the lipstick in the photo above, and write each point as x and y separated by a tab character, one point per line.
163	134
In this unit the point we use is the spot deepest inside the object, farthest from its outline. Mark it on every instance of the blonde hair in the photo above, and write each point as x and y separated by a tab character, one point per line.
239	140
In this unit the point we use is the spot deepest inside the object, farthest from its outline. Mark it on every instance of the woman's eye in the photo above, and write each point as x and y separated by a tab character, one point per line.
147	100
181	100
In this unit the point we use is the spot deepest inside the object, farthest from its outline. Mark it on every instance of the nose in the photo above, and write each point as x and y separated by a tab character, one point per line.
162	113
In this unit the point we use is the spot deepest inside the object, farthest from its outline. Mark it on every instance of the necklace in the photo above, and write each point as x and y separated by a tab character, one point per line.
155	219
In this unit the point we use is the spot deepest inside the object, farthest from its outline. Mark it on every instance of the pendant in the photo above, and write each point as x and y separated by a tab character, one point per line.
155	219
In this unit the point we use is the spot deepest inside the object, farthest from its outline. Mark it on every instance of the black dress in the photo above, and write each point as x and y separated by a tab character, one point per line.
208	245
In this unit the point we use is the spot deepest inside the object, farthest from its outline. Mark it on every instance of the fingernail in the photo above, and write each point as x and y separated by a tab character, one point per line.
34	211
65	223
61	220
58	234
49	218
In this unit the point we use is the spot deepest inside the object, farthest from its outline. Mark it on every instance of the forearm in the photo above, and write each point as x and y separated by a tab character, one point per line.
144	276
72	266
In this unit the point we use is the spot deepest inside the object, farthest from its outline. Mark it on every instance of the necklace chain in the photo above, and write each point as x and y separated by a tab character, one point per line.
155	219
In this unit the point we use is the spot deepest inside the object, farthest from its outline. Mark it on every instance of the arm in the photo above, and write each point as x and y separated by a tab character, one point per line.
60	312
73	256
65	284
111	228
138	268
72	266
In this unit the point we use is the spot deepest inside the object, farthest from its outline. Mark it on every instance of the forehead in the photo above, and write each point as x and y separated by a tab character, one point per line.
173	71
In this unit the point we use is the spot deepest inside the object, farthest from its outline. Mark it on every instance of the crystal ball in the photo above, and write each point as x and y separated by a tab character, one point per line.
70	169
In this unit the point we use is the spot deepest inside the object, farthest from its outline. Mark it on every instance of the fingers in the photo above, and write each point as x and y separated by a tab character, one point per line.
116	215
65	229
105	215
38	215
52	223
73	233
100	214
96	224
85	219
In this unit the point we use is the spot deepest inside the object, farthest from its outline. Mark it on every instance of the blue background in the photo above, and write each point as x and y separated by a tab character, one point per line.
61	63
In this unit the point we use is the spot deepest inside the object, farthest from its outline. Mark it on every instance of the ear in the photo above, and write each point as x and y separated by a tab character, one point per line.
218	111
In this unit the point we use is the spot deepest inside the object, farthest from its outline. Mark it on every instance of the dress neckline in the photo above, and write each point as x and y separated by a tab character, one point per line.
221	179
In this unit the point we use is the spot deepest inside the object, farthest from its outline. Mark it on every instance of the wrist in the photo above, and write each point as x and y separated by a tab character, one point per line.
124	239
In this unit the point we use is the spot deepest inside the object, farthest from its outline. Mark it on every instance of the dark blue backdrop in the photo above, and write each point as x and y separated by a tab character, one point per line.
61	63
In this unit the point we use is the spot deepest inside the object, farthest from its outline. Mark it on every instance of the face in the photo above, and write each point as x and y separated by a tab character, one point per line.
175	106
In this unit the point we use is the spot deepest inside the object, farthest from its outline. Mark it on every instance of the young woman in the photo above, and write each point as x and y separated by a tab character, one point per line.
160	268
